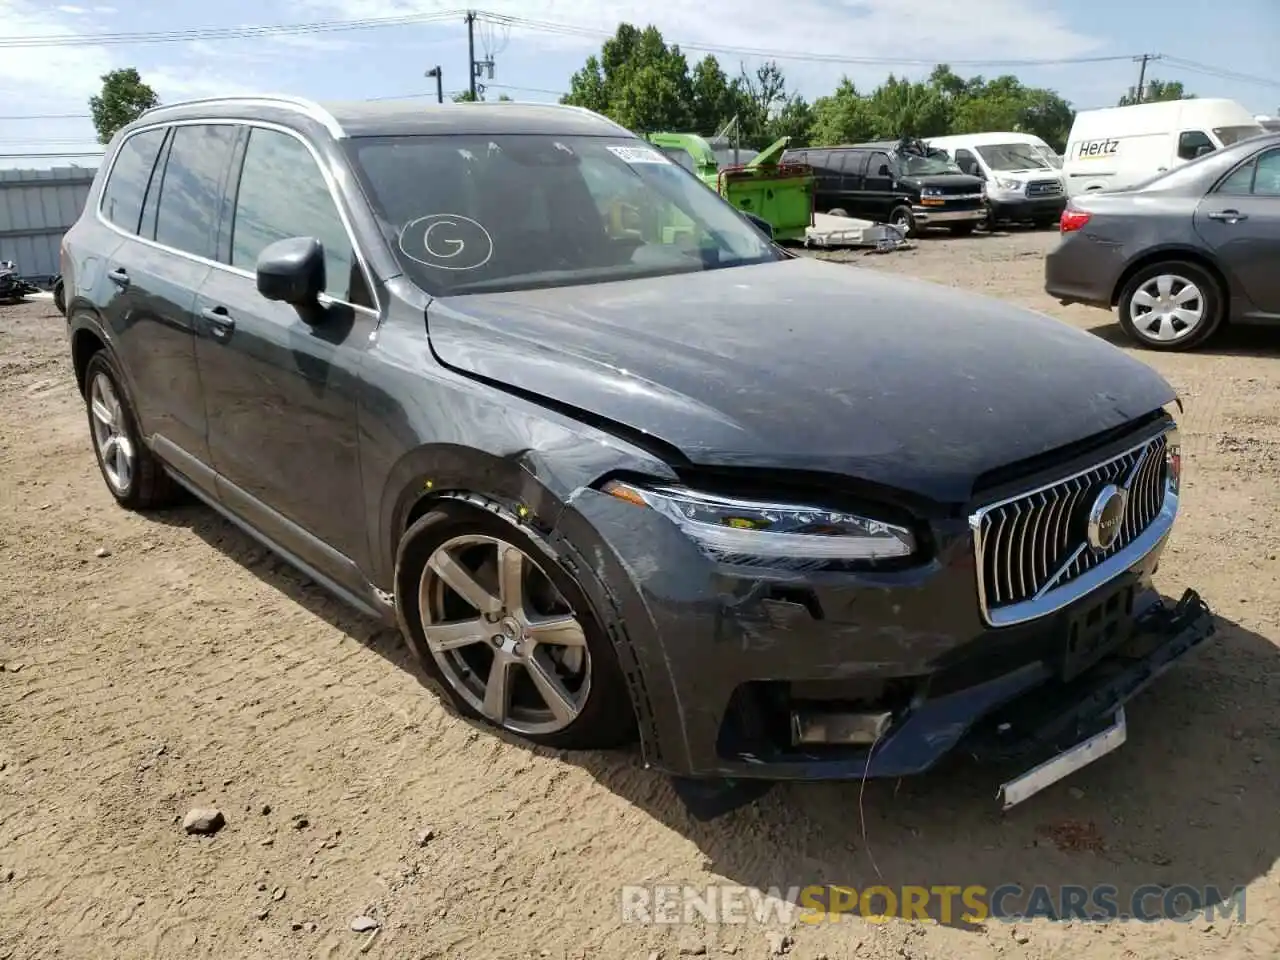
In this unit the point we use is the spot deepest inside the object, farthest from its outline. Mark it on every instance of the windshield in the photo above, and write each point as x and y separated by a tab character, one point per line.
915	166
1230	135
471	214
1013	156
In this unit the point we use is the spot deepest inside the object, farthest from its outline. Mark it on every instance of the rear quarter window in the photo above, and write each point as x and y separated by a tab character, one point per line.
126	185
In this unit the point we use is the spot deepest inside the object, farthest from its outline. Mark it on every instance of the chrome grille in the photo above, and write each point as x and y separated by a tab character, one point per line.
1044	188
1035	543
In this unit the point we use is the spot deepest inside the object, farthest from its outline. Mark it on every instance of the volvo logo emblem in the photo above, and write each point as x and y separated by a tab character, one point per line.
1106	517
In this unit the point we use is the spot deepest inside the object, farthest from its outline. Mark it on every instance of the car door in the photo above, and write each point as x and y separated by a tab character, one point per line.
1240	221
878	192
153	284
281	391
853	197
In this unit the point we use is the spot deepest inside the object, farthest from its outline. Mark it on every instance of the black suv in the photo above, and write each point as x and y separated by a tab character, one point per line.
624	475
901	182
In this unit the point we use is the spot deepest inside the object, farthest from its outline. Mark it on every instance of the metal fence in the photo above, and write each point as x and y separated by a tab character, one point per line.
36	208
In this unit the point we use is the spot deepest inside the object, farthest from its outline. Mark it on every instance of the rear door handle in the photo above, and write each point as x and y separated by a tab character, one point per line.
220	322
1228	216
119	276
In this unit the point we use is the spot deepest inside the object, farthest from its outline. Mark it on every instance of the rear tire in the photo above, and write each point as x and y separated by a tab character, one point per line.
458	537
1172	305
60	296
132	473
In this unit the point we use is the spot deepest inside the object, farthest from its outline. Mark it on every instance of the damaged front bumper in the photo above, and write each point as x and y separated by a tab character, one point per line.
1065	726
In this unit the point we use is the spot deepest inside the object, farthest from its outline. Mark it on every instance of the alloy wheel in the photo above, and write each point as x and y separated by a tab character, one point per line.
503	636
1167	307
115	449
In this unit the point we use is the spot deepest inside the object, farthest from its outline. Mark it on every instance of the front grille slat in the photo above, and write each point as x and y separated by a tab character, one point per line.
1027	540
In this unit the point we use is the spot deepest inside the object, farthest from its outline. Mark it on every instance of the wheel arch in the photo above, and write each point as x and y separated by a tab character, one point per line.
1170	253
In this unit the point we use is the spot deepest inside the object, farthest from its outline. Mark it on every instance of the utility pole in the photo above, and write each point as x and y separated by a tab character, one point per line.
439	75
476	67
1142	74
471	51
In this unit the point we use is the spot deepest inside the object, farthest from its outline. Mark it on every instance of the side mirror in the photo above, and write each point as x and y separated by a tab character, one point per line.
765	226
292	271
1203	149
883	171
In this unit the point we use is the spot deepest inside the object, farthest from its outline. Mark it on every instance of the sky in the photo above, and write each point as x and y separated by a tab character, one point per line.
45	89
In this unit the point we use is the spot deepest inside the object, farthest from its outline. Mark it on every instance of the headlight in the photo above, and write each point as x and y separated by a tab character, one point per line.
1008	184
724	527
1173	446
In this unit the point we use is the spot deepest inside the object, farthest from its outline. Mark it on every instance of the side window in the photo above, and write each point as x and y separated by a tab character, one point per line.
151	206
1240	182
126	185
1191	143
878	166
283	194
1267	181
967	162
191	192
854	163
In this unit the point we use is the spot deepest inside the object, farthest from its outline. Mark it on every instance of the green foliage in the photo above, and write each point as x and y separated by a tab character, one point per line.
123	99
647	86
1157	90
943	104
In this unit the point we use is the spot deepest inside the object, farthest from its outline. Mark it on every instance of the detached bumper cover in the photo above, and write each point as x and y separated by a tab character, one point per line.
1058	717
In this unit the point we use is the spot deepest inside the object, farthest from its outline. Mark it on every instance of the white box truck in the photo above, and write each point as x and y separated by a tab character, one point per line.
1119	147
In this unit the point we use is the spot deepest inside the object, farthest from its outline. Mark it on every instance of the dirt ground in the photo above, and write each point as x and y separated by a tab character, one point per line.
157	664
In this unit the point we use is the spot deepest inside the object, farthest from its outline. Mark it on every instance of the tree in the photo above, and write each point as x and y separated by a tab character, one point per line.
1157	90
123	99
647	86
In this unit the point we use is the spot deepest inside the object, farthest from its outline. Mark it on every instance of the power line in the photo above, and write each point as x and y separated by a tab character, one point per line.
226	33
1210	71
573	30
48	156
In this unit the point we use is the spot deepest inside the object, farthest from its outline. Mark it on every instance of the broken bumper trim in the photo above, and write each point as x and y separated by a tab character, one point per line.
1050	718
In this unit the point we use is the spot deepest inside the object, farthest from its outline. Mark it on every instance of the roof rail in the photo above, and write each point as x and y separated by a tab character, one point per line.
561	106
298	104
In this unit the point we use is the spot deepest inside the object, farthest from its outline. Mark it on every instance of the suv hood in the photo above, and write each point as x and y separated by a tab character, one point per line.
952	180
807	365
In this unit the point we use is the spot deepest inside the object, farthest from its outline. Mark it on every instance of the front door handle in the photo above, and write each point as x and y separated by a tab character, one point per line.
1228	216
119	276
221	323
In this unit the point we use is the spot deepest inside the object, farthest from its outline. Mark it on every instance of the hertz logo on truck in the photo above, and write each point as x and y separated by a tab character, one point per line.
1097	148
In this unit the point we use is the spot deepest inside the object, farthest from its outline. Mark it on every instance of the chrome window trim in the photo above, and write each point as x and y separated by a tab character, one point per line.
298	104
1055	599
325	172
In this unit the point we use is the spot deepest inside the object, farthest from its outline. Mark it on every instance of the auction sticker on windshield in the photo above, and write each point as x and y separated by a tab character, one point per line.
638	155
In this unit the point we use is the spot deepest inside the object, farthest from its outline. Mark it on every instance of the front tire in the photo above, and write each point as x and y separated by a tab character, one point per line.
507	632
1172	305
60	296
132	473
901	216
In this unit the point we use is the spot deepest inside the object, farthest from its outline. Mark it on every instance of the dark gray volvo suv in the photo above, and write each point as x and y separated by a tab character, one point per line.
617	464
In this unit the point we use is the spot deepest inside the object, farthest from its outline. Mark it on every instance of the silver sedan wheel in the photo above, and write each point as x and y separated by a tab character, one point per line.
1166	308
109	436
503	636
